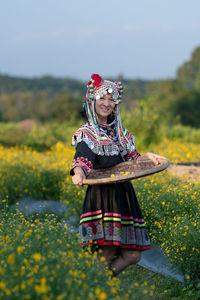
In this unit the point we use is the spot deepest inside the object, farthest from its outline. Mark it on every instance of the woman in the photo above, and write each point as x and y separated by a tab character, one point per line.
111	217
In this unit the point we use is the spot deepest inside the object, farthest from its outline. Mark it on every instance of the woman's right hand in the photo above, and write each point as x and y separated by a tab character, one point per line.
78	179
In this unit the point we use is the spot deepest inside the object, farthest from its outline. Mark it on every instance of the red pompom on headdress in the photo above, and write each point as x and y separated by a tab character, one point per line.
96	79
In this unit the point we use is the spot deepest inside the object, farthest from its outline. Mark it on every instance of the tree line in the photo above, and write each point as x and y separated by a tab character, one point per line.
178	100
48	98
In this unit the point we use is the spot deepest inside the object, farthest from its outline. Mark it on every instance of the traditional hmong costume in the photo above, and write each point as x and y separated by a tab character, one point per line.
111	214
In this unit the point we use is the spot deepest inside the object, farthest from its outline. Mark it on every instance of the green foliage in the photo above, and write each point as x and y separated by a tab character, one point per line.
164	96
40	182
144	122
40	259
171	211
179	99
175	104
133	91
187	107
65	106
182	134
10	84
148	127
11	134
41	106
44	137
73	196
189	73
40	136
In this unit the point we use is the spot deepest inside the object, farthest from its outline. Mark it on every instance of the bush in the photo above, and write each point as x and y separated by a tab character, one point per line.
29	173
45	136
183	134
39	137
144	123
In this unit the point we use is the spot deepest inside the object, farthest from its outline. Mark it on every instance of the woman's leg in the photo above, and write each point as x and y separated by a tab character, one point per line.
106	254
126	258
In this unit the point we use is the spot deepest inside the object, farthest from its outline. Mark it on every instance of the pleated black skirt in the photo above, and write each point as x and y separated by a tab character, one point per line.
112	216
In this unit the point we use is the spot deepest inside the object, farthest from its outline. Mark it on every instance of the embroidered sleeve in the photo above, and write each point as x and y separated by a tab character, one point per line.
133	155
132	152
83	158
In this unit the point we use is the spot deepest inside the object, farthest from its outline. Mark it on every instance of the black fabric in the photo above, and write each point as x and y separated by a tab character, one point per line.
116	198
98	161
82	150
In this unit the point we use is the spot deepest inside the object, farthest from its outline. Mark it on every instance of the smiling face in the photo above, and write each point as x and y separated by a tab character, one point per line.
104	107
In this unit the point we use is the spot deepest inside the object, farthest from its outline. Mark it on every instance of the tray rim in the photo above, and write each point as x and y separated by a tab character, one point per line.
142	173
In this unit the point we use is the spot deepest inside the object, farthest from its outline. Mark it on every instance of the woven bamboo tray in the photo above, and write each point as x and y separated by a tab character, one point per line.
126	171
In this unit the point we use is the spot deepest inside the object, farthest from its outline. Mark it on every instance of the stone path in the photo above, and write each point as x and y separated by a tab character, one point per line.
186	172
155	261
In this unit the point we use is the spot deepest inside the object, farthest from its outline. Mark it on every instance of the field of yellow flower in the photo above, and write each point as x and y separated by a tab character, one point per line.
40	259
171	210
45	175
178	152
26	172
170	206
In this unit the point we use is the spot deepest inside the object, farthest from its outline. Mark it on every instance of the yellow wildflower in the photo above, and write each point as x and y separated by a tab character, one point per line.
36	256
20	249
42	287
11	259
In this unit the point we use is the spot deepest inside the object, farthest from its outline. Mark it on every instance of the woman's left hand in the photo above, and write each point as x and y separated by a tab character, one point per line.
151	156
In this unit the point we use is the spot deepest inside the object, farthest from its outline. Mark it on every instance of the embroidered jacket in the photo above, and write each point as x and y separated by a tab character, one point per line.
101	149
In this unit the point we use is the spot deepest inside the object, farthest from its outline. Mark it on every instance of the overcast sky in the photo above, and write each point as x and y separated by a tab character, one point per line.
147	39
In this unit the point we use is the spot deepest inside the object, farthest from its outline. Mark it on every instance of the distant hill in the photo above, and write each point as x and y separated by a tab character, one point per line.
133	89
10	84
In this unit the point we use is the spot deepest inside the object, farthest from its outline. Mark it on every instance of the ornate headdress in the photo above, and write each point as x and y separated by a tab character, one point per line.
97	88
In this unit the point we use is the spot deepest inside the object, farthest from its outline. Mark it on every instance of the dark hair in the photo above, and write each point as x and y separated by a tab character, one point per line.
83	113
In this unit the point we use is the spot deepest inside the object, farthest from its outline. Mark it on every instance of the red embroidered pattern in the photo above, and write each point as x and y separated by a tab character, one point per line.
133	155
82	162
103	242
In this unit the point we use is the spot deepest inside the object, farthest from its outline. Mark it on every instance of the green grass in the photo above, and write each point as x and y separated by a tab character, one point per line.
163	288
